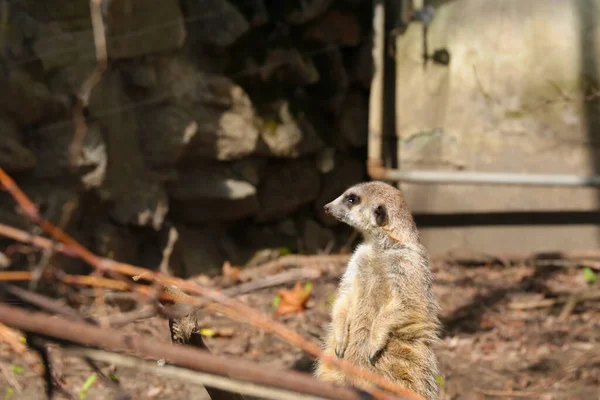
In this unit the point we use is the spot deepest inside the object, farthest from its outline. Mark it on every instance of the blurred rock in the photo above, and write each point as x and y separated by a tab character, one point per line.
283	135
212	192
255	11
225	117
14	156
116	242
164	132
201	250
25	100
287	187
250	169
135	27
289	66
300	12
335	27
57	47
331	88
136	195
214	22
354	119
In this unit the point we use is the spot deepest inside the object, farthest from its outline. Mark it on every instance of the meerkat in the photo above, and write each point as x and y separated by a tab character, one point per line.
385	314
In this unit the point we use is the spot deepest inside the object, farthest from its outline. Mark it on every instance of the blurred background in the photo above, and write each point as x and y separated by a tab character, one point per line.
216	130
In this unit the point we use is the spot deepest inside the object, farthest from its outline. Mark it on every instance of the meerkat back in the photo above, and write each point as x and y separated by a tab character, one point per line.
385	315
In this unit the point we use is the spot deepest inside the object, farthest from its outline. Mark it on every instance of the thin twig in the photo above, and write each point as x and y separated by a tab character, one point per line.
185	356
194	377
544	303
508	393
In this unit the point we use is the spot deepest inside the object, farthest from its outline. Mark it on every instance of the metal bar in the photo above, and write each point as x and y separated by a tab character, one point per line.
484	178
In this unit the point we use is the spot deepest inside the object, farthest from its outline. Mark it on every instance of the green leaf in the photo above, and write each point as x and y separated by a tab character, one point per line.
114	377
589	275
17	370
22	339
440	381
8	393
276	301
86	386
331	298
307	287
207	332
284	251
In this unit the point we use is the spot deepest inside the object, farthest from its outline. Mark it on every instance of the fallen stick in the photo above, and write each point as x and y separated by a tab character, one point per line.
545	303
185	356
294	275
275	266
591	257
194	377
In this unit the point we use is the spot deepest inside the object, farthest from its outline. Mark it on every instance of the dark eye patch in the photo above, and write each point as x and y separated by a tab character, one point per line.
352	199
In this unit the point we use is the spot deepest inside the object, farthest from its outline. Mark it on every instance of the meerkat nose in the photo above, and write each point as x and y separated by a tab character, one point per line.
326	208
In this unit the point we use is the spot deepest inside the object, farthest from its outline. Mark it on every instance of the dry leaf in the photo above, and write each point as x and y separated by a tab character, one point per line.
231	274
293	300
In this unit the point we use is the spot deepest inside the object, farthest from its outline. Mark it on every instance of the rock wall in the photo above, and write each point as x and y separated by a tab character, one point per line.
221	127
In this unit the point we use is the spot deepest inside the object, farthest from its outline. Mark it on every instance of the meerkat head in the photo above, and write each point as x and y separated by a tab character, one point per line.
376	209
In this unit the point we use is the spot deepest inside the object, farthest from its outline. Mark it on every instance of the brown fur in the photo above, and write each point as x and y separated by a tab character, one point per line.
385	316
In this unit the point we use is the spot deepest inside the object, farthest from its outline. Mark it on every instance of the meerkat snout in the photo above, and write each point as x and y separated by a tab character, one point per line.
326	209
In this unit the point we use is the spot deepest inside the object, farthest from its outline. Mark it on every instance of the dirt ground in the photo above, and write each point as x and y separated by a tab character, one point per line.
490	345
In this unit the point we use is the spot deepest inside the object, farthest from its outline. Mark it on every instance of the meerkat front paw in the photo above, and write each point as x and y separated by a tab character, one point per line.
341	343
376	346
374	355
340	339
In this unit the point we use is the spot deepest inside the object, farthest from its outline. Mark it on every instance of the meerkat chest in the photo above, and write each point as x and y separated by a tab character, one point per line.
371	285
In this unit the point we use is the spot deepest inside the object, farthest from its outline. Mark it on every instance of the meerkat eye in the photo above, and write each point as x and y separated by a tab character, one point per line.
380	215
352	199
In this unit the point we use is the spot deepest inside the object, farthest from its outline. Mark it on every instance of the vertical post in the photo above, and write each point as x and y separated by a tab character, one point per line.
377	82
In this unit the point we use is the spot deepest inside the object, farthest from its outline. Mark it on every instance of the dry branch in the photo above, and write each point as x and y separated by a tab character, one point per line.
230	307
279	264
185	356
195	377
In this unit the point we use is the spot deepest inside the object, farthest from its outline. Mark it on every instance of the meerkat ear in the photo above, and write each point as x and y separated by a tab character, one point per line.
380	215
